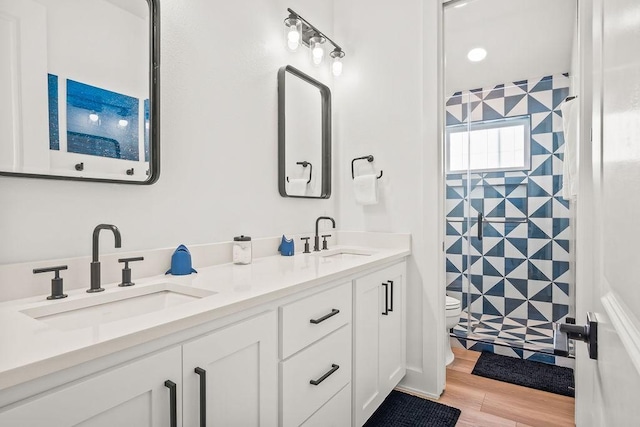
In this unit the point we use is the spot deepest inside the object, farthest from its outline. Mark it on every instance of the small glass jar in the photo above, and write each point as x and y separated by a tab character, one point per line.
242	250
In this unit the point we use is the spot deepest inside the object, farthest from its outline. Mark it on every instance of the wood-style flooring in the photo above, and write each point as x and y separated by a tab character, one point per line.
490	403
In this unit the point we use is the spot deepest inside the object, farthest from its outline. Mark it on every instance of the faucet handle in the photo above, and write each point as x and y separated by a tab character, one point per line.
56	282
126	271
324	241
306	244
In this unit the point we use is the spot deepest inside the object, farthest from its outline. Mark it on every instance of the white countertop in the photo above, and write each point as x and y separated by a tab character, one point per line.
31	348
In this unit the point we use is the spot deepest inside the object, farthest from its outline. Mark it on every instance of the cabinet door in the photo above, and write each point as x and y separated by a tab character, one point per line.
237	380
392	349
132	395
380	335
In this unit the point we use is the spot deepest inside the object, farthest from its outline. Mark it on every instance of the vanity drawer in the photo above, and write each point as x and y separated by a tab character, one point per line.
311	318
301	398
335	413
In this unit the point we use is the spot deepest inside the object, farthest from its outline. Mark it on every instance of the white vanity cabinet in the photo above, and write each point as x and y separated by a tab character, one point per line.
239	363
315	371
380	338
134	394
230	376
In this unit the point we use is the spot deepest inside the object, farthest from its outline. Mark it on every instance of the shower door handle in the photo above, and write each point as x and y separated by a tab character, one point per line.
480	225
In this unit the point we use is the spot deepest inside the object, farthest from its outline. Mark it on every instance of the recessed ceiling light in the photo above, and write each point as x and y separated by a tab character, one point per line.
458	6
477	54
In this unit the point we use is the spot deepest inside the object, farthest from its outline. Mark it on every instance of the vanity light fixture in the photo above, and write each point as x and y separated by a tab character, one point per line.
299	31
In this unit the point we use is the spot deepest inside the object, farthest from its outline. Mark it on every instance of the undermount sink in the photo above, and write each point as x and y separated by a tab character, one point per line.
98	309
345	253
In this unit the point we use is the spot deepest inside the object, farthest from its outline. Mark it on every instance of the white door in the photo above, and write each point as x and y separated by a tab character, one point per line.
238	366
608	283
24	117
133	395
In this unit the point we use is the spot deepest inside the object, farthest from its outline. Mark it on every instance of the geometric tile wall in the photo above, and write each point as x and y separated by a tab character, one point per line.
520	269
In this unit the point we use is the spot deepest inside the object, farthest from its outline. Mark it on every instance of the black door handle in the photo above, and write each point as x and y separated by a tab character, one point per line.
173	403
334	368
334	311
480	225
386	299
391	297
203	396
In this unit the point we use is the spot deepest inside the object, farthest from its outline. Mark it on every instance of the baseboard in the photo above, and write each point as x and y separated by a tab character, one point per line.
415	392
414	382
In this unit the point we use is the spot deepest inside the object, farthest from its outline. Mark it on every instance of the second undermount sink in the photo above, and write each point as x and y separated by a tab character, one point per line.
98	309
345	253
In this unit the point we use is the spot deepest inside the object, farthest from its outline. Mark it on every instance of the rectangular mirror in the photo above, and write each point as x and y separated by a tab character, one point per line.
79	95
304	135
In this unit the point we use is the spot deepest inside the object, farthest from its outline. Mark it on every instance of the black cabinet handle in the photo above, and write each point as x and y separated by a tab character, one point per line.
334	311
334	368
203	395
173	405
391	297
480	225
386	299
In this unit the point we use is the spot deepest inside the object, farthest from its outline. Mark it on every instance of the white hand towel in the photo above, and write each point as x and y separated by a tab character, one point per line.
297	187
570	166
366	189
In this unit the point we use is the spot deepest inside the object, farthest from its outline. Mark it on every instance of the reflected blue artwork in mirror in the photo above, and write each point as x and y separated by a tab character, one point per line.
101	122
54	130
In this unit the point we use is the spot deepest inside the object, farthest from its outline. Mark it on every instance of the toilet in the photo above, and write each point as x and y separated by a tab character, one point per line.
453	310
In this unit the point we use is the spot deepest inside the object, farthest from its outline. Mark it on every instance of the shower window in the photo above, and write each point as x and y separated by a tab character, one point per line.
497	145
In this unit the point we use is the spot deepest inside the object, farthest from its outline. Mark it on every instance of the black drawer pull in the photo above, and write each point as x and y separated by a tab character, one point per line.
173	403
203	395
334	311
334	368
391	297
386	299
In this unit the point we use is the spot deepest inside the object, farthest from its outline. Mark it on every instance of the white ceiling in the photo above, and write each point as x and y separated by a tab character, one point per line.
524	39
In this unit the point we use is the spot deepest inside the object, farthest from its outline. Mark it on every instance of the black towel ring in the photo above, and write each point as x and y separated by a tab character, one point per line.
368	158
304	164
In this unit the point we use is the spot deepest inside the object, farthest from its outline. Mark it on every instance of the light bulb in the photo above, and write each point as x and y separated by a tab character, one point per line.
318	54
146	125
94	117
123	123
292	32
336	66
317	50
293	38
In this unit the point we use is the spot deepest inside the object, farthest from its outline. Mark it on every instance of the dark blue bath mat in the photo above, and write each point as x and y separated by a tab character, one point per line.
404	410
541	376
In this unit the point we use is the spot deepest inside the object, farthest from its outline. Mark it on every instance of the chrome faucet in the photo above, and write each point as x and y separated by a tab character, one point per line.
316	241
95	264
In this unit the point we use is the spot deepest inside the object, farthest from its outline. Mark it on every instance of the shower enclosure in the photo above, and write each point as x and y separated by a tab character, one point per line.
508	228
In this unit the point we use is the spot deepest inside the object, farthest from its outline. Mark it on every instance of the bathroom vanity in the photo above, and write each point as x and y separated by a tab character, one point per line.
314	339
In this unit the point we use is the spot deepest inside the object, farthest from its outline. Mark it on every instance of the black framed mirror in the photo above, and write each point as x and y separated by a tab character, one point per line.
79	93
304	135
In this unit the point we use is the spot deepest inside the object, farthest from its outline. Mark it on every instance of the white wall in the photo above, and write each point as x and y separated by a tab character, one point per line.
379	110
219	145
